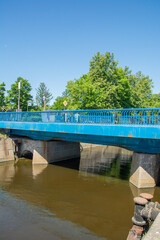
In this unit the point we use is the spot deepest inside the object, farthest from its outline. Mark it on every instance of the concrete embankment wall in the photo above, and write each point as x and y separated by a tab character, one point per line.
145	168
7	148
100	156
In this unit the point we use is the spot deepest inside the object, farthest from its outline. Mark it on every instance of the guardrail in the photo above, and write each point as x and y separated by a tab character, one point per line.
139	116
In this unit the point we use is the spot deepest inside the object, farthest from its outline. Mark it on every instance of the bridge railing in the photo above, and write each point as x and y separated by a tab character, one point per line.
140	116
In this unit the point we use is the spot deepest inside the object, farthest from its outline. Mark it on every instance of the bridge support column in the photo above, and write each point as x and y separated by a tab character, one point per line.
54	151
44	152
145	170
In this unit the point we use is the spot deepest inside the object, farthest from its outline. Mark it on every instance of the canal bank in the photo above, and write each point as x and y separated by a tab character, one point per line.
154	231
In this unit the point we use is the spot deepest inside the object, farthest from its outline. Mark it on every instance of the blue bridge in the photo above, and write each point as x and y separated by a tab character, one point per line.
135	129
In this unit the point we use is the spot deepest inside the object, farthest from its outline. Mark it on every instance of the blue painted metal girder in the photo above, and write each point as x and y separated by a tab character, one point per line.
135	131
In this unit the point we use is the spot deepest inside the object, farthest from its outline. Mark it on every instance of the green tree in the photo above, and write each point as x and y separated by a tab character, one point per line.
123	89
105	86
154	101
58	104
103	81
12	98
109	86
43	94
35	107
141	90
77	92
2	94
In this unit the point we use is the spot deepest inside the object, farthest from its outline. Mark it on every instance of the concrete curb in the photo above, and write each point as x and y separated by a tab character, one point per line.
154	231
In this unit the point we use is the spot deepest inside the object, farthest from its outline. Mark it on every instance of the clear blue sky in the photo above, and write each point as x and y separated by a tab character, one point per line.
52	41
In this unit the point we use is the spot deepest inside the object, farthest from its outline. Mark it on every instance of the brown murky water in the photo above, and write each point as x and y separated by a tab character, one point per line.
57	202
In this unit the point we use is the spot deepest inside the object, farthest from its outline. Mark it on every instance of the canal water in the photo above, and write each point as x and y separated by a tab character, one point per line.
76	199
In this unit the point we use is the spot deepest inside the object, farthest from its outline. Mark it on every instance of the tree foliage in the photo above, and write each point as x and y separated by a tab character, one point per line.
58	104
141	91
109	86
12	98
2	94
154	101
105	86
42	94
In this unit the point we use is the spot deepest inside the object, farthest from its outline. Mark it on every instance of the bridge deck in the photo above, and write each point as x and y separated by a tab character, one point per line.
133	129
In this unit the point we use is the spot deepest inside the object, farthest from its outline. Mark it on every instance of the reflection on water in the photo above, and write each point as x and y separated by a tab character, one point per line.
56	202
137	191
21	220
37	169
106	160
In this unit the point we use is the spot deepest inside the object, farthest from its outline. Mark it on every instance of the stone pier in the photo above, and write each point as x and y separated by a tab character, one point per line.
45	152
145	170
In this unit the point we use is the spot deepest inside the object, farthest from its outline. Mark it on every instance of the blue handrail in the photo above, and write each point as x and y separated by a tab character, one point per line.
135	116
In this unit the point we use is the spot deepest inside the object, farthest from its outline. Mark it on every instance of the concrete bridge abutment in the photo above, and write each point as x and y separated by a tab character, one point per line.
44	152
7	149
145	170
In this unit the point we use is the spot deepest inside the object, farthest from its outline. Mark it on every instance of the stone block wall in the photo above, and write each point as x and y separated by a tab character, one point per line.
7	148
